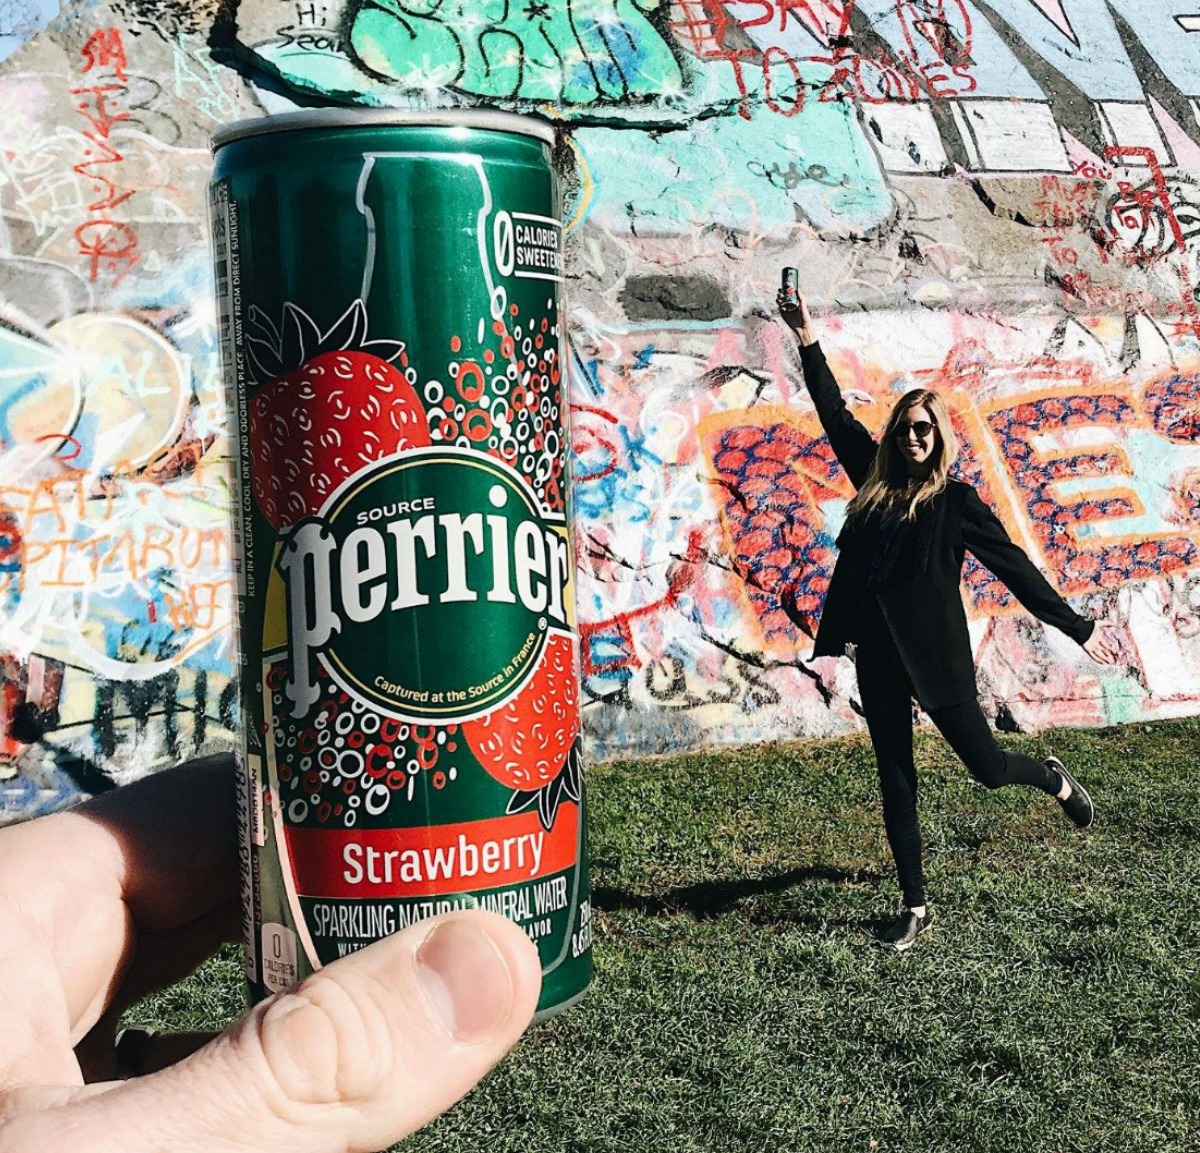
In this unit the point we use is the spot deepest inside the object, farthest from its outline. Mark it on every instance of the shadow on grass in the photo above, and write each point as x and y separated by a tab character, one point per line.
709	899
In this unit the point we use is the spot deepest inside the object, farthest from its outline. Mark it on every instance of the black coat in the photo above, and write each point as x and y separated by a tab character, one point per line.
914	572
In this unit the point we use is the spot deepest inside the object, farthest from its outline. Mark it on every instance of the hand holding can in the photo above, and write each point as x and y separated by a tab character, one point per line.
793	308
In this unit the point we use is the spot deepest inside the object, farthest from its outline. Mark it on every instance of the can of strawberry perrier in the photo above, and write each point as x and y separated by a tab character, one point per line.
389	294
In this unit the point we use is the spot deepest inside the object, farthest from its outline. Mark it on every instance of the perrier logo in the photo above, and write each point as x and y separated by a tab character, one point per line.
426	585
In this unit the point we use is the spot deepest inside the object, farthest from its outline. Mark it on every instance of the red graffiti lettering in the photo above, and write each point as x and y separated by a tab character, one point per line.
705	27
770	57
101	119
766	7
1154	201
104	49
110	246
827	20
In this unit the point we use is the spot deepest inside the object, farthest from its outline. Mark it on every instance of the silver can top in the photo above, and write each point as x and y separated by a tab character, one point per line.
485	120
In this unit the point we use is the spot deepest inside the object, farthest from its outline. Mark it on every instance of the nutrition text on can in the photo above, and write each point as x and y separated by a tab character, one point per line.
389	287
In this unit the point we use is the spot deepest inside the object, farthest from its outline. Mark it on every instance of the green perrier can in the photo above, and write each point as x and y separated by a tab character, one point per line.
389	292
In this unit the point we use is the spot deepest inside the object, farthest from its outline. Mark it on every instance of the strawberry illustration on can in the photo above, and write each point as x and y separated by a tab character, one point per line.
389	289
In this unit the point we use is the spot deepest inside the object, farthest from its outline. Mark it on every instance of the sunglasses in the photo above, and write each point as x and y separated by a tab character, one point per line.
920	428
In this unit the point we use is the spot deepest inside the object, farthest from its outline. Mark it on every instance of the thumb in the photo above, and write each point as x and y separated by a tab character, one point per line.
355	1058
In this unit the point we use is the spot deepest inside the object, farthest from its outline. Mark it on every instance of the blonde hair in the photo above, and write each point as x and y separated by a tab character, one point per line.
888	485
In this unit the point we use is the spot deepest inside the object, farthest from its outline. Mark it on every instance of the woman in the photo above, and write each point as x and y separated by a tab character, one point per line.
895	595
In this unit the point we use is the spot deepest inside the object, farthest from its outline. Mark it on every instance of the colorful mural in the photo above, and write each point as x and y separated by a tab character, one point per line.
998	198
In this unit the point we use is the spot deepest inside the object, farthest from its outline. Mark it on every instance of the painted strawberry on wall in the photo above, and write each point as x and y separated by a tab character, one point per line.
332	403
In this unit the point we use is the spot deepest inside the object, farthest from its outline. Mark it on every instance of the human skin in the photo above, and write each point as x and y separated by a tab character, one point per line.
918	451
127	894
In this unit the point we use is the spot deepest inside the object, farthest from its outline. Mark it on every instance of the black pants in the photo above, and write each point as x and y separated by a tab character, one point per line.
887	695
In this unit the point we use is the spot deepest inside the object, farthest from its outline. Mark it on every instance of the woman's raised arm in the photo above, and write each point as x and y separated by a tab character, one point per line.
852	444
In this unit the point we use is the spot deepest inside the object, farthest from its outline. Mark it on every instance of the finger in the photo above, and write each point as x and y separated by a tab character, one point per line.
139	1052
173	836
356	1058
35	1021
162	960
152	856
135	1052
165	959
131	1053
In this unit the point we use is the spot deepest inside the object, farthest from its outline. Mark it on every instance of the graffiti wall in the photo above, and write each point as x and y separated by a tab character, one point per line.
997	198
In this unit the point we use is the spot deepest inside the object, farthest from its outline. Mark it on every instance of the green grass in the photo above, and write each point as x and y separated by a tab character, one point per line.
741	1004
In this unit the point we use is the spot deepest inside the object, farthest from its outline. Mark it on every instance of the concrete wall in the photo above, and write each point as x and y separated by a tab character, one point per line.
1000	198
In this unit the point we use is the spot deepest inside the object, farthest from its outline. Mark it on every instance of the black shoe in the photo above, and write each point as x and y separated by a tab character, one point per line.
903	932
1078	806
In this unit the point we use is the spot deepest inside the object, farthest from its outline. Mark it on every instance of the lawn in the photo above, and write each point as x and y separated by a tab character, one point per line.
740	1002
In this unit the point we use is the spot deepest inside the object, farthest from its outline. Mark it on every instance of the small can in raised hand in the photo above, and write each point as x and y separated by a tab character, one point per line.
789	290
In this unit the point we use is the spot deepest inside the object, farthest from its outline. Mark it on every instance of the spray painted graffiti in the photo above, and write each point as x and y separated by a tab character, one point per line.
577	51
988	84
996	198
1088	465
107	243
115	585
115	589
